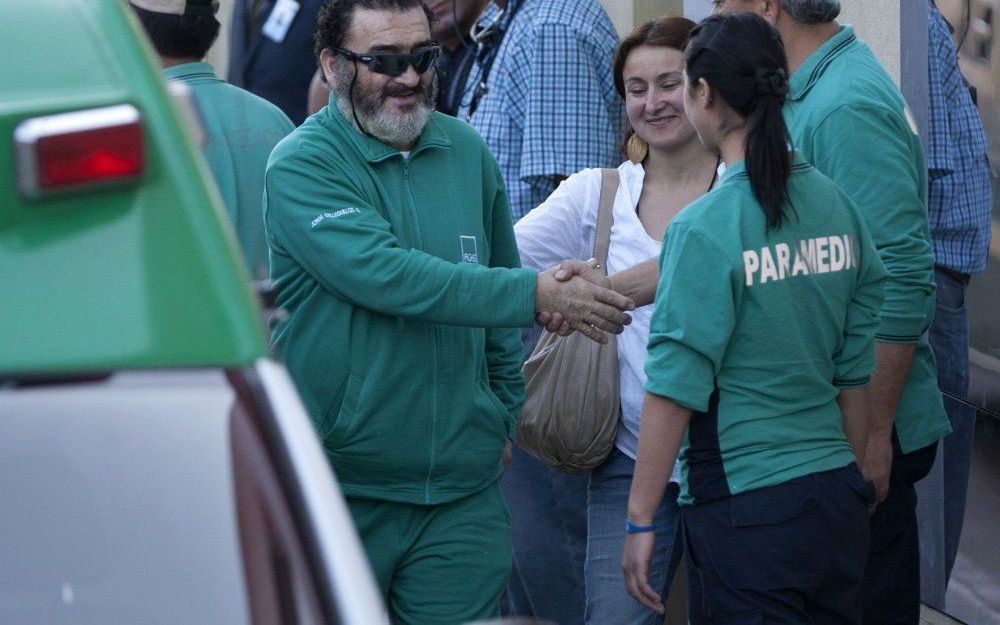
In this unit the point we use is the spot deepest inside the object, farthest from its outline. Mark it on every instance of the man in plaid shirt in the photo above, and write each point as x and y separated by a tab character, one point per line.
959	204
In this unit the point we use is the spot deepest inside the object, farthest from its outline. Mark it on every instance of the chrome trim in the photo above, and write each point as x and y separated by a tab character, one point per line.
29	132
358	599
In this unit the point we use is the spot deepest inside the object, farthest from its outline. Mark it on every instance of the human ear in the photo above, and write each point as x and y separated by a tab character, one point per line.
326	60
770	10
703	93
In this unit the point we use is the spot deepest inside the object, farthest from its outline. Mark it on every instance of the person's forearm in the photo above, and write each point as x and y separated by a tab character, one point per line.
663	425
855	409
638	282
892	366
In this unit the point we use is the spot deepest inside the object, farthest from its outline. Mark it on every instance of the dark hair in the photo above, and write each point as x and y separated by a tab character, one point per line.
812	11
180	36
742	58
663	32
334	19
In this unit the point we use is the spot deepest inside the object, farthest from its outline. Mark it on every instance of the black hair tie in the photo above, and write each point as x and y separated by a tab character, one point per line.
772	82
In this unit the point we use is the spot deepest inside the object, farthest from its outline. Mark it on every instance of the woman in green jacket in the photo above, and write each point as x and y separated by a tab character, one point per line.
764	337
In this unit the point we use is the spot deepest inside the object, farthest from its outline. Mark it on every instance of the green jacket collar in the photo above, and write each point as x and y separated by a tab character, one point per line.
732	171
376	151
810	72
186	71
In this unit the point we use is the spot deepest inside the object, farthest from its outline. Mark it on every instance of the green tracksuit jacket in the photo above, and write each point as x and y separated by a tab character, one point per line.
240	130
402	285
848	119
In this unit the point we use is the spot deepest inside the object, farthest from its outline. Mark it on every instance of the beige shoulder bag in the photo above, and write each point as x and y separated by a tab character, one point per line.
572	400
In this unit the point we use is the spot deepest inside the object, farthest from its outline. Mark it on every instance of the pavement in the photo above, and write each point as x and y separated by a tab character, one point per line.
974	592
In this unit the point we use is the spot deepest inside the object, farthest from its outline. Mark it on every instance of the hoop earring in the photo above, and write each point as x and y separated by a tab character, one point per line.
636	148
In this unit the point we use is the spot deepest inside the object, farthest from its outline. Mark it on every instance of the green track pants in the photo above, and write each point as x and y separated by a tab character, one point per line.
438	565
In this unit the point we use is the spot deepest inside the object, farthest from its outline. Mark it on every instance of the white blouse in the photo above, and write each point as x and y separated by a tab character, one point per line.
564	226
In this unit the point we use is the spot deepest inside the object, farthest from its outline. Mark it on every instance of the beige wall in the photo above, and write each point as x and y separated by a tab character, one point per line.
878	24
218	54
646	10
621	13
627	13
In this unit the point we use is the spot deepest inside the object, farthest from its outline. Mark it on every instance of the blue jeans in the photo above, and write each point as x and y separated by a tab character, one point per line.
949	338
943	493
607	505
548	512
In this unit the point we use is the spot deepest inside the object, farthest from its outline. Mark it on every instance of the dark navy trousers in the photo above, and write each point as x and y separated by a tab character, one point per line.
792	553
892	579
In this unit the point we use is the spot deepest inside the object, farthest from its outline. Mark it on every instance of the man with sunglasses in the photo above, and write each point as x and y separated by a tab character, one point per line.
393	253
453	19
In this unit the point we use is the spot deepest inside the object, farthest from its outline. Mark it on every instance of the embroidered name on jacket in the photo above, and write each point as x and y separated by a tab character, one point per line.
350	210
802	258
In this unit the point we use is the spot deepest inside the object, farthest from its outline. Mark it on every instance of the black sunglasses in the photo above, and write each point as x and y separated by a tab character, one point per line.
394	63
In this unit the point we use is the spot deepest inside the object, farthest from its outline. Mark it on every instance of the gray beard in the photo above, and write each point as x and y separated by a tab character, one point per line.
401	130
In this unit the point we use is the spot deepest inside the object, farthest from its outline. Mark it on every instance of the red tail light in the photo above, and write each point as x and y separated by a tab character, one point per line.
80	149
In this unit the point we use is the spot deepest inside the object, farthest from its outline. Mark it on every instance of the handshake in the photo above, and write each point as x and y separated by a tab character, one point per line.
575	296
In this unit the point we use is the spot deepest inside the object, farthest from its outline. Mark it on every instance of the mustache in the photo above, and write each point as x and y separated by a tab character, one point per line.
401	91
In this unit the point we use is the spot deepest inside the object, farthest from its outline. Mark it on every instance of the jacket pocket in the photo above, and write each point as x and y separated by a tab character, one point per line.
339	417
503	416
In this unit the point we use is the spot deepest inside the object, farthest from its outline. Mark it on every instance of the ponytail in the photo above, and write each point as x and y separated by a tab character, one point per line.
767	160
742	58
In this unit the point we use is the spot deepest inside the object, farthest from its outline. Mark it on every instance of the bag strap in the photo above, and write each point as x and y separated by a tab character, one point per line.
605	216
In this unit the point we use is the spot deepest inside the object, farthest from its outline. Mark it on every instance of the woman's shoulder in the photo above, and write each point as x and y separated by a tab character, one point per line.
592	176
585	185
590	181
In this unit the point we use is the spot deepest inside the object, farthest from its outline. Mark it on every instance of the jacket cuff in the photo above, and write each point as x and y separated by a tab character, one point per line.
525	295
851	383
901	329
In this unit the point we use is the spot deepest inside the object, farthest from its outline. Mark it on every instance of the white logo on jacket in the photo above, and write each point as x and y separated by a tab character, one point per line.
802	258
470	249
350	210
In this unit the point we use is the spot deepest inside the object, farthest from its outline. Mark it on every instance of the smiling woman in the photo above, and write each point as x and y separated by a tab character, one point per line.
667	169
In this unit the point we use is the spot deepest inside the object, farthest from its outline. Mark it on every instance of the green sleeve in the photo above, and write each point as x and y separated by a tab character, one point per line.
864	149
322	219
504	350
693	320
855	360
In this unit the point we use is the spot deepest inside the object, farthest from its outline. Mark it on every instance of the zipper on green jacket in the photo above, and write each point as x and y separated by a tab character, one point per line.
434	343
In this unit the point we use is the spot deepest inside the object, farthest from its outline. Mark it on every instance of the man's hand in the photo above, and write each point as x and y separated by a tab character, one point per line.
892	366
635	565
508	454
877	465
584	306
565	271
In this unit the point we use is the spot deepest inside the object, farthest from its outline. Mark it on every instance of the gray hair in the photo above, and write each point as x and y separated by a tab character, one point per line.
812	11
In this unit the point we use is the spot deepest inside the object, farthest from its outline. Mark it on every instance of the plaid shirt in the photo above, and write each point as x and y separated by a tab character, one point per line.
550	108
960	196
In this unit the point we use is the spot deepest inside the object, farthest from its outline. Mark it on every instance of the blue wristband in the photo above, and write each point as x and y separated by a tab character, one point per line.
632	528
